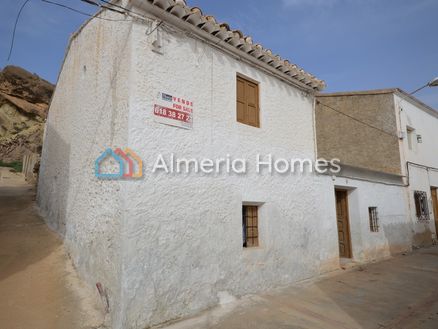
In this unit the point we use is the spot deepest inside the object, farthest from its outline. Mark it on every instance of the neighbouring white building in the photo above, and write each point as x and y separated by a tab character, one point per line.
388	183
176	83
418	126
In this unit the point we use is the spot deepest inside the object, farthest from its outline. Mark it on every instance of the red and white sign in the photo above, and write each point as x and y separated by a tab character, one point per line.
174	111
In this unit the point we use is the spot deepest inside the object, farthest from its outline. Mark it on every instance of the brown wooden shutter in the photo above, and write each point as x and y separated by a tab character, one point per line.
252	104
247	102
241	100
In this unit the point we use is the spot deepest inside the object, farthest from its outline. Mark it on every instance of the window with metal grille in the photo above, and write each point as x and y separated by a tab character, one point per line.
247	102
374	219
250	226
421	207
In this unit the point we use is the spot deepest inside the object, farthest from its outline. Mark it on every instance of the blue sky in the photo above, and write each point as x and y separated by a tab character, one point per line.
351	44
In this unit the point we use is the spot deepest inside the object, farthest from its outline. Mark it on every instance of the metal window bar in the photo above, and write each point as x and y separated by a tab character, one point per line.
374	219
250	226
421	206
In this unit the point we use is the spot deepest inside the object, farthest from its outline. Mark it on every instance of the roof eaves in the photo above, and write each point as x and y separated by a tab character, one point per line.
415	101
224	36
401	93
358	92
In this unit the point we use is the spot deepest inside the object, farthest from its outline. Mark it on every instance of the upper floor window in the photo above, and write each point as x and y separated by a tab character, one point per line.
411	137
248	102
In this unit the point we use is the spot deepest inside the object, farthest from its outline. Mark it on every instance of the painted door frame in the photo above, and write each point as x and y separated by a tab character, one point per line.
348	244
434	197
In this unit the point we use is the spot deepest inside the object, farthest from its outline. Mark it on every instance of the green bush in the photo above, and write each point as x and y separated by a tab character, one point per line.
16	165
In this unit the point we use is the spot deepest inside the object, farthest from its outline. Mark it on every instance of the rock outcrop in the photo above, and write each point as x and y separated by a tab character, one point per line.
24	103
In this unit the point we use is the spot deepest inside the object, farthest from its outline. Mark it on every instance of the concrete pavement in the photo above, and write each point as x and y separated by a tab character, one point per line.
400	293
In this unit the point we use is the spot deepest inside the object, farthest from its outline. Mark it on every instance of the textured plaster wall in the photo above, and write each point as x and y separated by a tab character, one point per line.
88	113
183	235
420	179
395	229
355	143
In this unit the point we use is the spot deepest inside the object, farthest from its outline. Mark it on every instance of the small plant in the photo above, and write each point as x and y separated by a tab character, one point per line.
16	165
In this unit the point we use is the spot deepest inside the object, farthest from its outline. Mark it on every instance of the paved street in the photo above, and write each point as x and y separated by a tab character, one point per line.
401	293
39	288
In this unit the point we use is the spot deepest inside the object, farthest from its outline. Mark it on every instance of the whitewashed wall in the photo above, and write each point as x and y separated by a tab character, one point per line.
425	154
88	113
395	229
183	236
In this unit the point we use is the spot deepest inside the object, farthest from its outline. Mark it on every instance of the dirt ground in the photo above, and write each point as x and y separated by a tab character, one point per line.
39	288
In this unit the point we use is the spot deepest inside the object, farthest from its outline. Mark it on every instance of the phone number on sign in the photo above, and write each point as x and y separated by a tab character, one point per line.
172	114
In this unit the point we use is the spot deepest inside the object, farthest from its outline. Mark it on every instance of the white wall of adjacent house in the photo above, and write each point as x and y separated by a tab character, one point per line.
391	233
418	148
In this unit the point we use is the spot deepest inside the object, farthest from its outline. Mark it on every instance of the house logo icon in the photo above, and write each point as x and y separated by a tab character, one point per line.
129	164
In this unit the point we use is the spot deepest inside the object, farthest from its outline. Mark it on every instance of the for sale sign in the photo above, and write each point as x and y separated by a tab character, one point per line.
174	111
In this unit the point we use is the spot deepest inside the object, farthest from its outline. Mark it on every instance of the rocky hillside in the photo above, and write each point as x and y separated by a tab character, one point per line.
24	103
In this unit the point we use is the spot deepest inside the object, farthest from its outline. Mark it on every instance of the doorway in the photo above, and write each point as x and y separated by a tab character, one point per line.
434	194
343	224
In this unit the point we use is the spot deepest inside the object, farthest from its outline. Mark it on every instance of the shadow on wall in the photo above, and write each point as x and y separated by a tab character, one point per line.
54	179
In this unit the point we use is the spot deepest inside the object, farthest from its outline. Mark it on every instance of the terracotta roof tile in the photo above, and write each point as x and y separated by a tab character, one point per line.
194	16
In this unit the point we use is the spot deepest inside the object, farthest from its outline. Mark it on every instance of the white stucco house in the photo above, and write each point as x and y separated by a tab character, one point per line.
168	82
169	245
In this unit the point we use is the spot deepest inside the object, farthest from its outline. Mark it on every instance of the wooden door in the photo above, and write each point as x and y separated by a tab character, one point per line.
343	224
433	192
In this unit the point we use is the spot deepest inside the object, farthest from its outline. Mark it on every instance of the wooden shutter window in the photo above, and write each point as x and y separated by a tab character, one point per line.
241	102
247	102
250	226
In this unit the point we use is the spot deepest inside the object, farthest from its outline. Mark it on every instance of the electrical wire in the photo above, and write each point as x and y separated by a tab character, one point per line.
15	28
142	17
124	8
121	7
355	119
93	3
127	11
156	27
84	13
